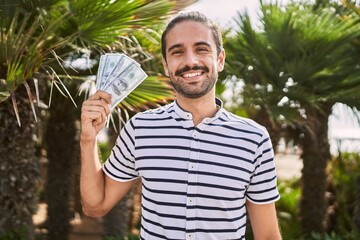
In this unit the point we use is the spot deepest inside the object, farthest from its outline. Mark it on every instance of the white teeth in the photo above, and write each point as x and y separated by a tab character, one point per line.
189	75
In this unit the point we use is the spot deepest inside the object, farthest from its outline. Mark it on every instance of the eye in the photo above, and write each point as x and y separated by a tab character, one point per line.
176	52
202	50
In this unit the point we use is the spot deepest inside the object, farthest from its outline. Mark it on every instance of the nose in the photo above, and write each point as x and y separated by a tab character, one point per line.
190	59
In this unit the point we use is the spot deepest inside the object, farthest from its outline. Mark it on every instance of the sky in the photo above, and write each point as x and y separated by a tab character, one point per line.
224	11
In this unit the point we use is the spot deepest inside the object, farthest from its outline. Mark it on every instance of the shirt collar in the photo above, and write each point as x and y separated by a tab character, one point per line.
188	116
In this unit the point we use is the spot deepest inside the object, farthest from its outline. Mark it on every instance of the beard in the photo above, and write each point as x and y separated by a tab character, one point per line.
193	90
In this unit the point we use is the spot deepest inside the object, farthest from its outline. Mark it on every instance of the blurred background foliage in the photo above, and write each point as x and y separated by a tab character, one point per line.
291	70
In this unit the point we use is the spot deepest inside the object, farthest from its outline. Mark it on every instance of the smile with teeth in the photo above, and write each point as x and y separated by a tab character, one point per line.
189	75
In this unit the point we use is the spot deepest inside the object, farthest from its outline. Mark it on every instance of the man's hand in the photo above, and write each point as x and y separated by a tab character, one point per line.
94	112
99	192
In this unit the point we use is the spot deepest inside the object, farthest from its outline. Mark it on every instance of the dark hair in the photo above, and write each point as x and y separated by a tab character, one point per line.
193	16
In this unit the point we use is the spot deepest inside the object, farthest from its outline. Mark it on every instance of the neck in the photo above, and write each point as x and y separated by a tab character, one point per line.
200	108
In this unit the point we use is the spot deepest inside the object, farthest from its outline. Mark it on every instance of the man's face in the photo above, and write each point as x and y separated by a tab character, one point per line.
191	59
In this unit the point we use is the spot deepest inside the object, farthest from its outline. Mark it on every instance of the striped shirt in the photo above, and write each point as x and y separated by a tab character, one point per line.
195	179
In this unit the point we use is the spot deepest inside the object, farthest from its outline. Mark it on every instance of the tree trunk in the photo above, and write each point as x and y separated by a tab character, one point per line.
76	197
316	153
63	154
19	168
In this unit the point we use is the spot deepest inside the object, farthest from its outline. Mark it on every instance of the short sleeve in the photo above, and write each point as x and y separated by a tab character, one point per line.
263	184
120	165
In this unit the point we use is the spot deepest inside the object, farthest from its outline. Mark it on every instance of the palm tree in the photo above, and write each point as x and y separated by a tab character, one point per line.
356	10
26	43
19	171
294	69
35	37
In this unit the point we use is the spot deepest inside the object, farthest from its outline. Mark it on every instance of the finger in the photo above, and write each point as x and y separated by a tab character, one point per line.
95	111
101	95
92	117
98	103
95	119
103	113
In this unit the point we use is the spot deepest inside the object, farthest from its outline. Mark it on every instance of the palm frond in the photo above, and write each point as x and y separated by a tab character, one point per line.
26	45
97	24
58	83
301	60
351	5
35	37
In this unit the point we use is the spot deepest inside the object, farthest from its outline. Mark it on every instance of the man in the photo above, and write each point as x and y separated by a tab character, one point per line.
202	168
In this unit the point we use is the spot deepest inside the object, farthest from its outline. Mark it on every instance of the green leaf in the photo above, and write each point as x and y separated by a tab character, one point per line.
4	96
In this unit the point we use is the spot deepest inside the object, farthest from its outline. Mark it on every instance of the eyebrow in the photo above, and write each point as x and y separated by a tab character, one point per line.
202	43
196	44
174	46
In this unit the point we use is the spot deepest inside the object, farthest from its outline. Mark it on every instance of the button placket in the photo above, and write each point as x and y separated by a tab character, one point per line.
191	189
190	214
194	154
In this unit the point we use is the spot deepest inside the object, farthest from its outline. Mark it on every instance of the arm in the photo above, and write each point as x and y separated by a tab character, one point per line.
99	193
263	221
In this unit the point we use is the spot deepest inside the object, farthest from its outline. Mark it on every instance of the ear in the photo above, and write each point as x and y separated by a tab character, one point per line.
165	67
221	60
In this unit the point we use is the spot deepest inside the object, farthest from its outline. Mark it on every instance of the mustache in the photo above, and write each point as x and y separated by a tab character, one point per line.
187	68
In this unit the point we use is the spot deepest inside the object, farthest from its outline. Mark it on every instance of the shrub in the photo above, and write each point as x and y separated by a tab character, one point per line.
344	170
288	209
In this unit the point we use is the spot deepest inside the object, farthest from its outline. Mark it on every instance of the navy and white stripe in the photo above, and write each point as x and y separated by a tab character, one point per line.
196	179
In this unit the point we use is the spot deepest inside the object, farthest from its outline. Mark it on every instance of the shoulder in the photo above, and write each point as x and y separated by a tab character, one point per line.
243	123
153	114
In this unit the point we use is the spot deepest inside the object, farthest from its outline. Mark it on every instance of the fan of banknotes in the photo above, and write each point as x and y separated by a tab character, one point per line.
118	75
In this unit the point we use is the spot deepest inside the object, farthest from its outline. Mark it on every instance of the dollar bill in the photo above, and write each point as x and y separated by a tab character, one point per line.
110	63
100	71
121	67
118	75
125	83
